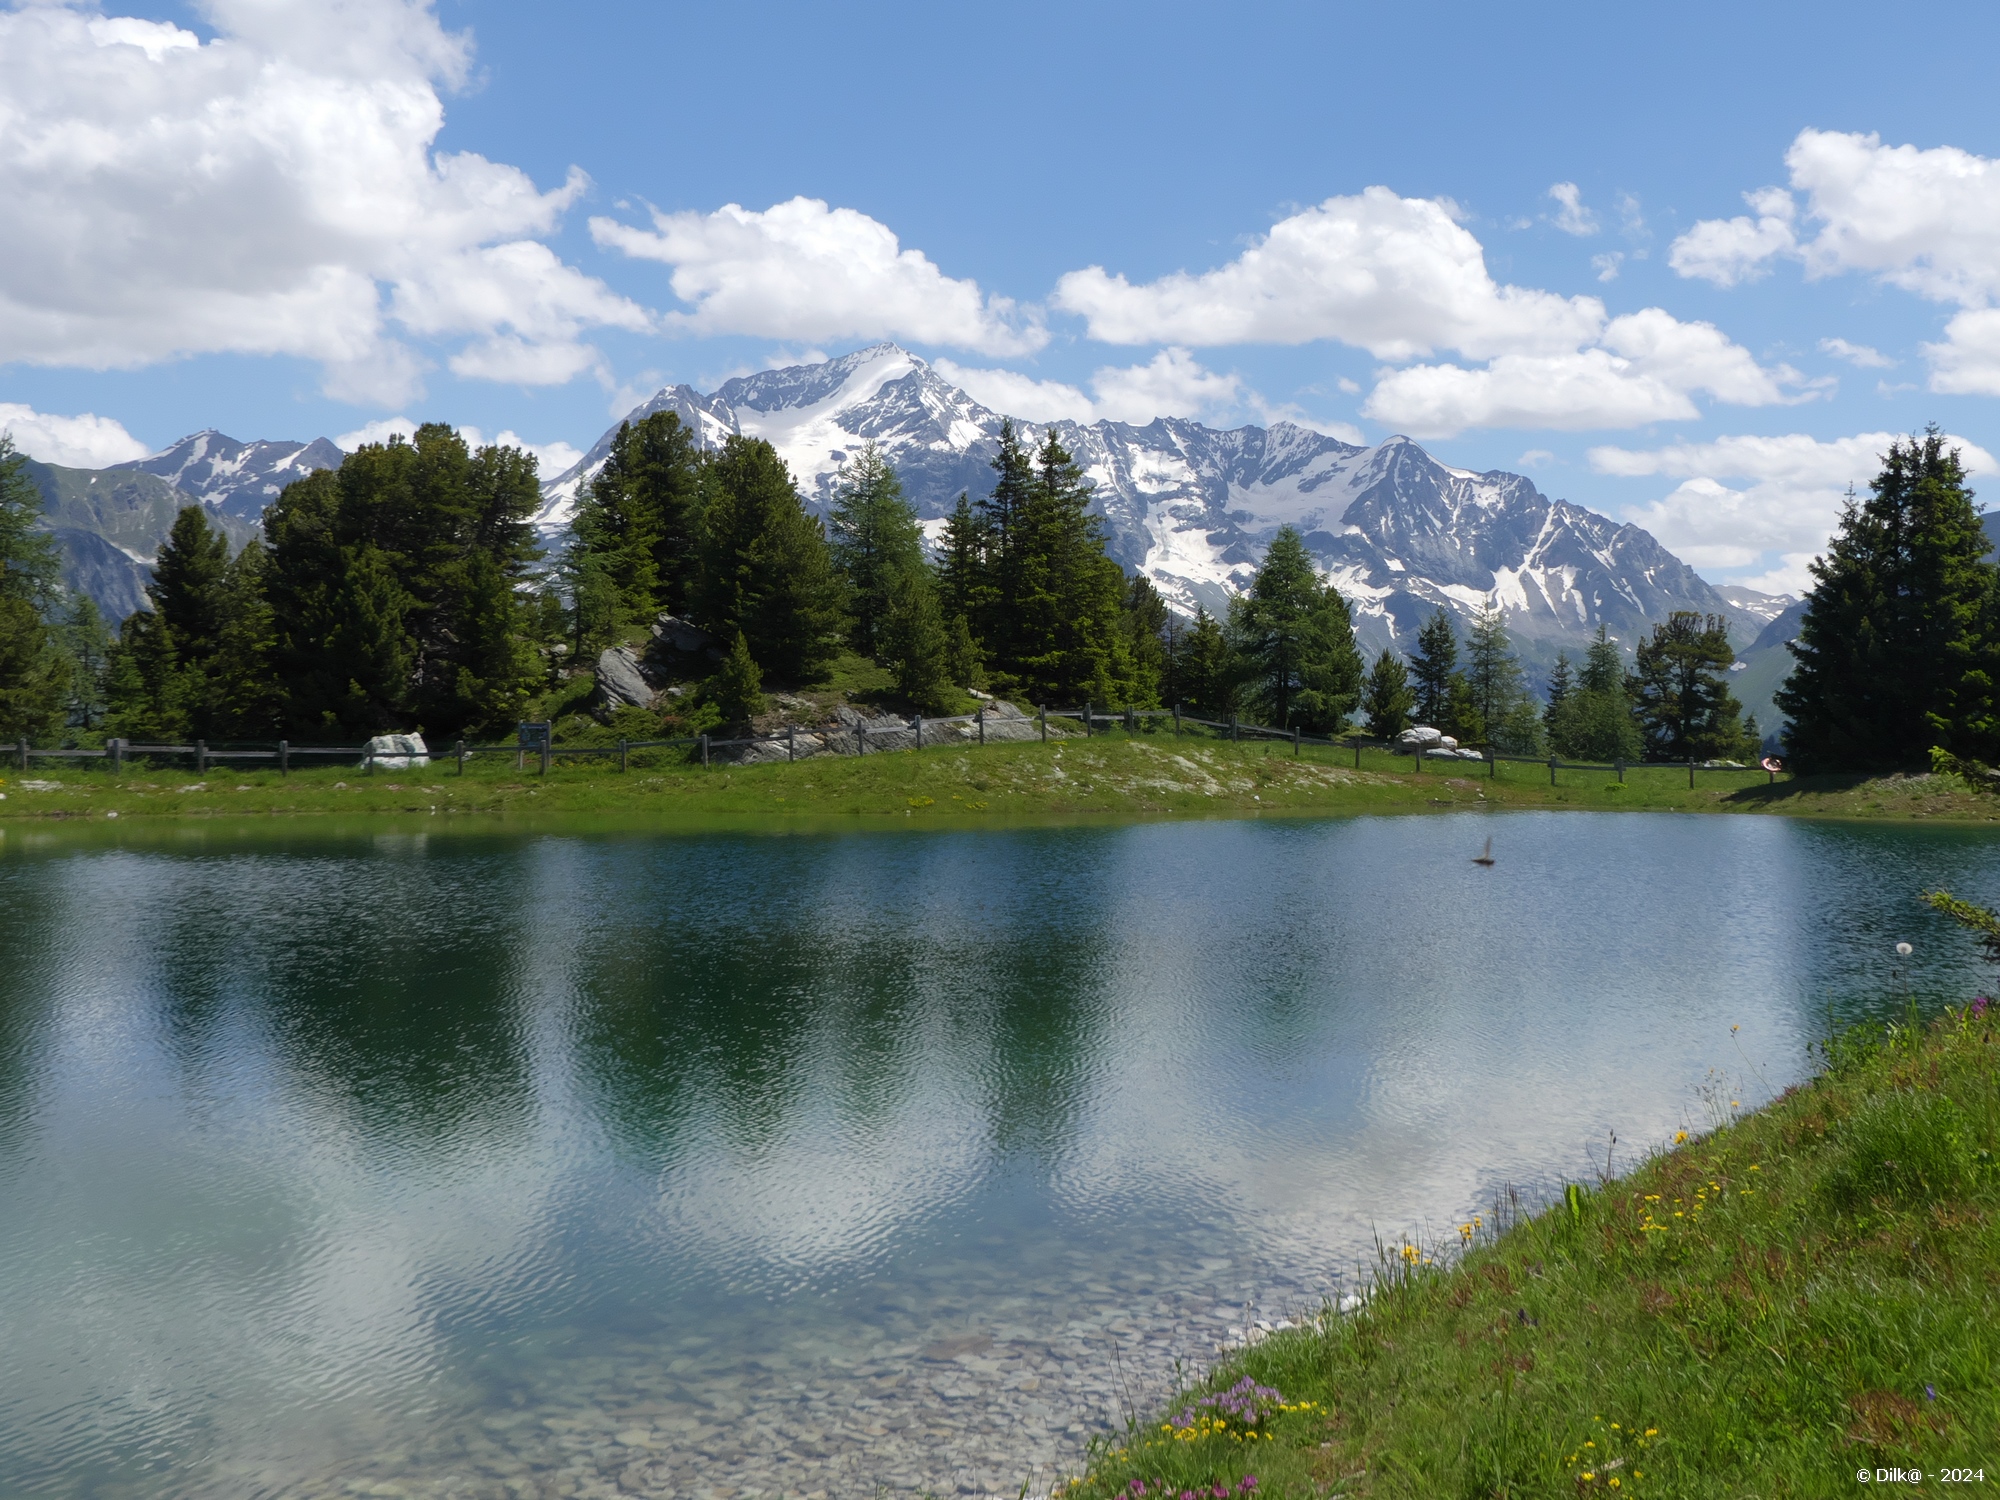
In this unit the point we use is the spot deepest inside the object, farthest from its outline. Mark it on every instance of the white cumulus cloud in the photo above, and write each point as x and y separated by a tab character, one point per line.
1862	355
804	270
81	442
1403	279
1780	512
1730	251
1572	217
1399	277
271	191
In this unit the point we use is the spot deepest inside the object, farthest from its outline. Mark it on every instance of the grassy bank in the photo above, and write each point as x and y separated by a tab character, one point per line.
1107	776
1807	1292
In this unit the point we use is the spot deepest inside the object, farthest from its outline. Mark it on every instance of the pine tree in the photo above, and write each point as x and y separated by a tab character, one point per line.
963	585
1562	681
34	673
1148	628
1387	700
30	566
640	517
87	642
1066	629
597	615
1593	719
737	690
244	698
963	664
876	542
1894	654
913	640
765	566
1433	669
1295	641
1003	520
1208	669
1680	690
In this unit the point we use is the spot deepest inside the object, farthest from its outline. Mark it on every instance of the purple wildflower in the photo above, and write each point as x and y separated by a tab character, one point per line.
1978	1007
1247	1483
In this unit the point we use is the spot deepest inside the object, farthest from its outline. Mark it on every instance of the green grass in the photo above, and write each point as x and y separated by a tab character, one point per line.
1810	1290
1108	776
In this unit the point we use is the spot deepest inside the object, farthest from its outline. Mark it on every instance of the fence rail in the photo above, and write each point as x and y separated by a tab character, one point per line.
1089	717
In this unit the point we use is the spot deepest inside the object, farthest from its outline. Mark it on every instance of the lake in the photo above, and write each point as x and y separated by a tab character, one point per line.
535	1164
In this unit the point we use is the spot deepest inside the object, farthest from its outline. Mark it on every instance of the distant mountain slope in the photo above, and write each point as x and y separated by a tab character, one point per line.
236	479
1194	508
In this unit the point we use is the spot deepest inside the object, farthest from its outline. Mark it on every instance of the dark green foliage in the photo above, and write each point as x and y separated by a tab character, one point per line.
963	664
913	642
87	641
765	567
34	673
243	699
1149	628
393	584
1296	641
1680	691
964	590
598	613
1896	652
1500	698
876	543
1386	698
999	529
1207	669
1433	667
1065	641
1983	921
737	690
1591	718
30	567
187	587
640	519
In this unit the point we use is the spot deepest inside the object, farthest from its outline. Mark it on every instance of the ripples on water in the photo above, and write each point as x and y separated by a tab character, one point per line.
536	1165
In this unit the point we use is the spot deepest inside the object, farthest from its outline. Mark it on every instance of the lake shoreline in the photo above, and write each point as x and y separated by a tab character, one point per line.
1111	779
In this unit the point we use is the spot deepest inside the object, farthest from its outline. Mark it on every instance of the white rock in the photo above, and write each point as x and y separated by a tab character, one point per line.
396	752
1420	734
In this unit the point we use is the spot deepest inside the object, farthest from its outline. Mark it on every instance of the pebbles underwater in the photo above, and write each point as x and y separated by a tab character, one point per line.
948	1383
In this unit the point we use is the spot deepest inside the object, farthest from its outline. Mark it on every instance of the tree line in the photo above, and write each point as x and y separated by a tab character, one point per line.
405	589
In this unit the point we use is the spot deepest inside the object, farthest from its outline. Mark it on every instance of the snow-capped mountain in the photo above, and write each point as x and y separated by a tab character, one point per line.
238	479
1194	508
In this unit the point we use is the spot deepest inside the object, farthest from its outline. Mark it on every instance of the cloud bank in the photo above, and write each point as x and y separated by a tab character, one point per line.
81	442
272	191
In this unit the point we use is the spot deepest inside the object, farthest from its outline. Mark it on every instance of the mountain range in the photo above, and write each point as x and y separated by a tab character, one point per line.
1193	507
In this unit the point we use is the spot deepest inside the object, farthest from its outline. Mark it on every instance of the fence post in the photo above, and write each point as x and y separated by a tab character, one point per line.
1690	775
860	738
1177	721
1232	728
1492	764
791	742
624	755
546	737
981	716
1417	750
1086	718
1131	721
704	749
116	747
1620	767
201	760
458	751
22	748
1552	770
1295	742
368	761
920	731
1042	712
1357	755
284	757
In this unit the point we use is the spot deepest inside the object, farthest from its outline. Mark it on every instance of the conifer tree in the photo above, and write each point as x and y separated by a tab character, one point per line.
1680	691
34	673
914	643
1208	669
165	690
243	697
737	689
1066	629
1894	654
87	642
963	587
1592	719
1562	682
876	543
1433	669
765	566
1387	700
1499	692
1003	524
640	517
30	566
964	666
1149	626
1296	641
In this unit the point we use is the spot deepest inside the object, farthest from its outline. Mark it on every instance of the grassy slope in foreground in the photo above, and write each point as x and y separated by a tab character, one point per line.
1109	775
1807	1292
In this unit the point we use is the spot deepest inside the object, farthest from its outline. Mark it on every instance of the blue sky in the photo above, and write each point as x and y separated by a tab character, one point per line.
1520	234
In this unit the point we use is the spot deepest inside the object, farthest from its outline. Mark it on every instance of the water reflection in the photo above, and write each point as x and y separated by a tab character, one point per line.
388	1160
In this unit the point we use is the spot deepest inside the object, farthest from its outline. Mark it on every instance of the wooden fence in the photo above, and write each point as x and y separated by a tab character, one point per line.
1089	718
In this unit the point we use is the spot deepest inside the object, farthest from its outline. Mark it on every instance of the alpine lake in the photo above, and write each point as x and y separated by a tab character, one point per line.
556	1163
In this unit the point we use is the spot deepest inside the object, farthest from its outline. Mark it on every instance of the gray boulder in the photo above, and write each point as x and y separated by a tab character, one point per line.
621	680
